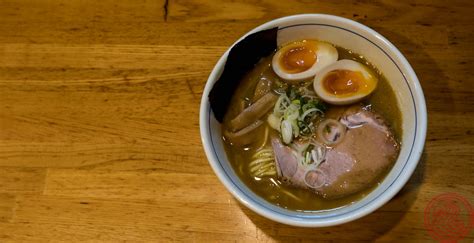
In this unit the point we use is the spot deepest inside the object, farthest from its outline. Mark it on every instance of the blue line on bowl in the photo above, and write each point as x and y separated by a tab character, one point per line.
299	216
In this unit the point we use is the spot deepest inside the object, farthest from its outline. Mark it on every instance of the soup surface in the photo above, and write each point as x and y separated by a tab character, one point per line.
270	186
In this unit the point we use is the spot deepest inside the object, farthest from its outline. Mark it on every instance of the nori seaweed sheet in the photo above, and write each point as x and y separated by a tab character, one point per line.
241	59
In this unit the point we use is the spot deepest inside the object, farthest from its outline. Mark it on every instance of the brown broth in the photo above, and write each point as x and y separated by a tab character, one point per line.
383	101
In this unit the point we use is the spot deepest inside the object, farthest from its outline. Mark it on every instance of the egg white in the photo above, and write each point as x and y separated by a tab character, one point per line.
344	64
326	54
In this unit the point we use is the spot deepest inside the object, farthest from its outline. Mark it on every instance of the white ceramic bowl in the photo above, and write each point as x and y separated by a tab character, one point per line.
388	59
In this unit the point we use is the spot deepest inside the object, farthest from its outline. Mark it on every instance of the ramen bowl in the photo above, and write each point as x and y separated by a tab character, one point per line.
388	59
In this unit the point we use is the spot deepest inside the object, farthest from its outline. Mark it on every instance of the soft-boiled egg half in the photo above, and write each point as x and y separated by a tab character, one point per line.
301	60
344	82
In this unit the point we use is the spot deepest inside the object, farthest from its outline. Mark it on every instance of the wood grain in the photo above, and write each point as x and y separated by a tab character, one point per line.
99	106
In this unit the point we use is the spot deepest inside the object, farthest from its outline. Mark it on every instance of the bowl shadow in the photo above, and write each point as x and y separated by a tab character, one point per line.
434	81
369	227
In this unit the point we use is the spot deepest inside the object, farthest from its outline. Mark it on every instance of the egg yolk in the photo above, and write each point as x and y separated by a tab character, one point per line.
298	57
344	82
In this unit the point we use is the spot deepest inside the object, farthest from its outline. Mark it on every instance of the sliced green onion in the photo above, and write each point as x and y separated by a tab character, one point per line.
303	116
286	131
281	105
292	112
296	128
308	158
274	121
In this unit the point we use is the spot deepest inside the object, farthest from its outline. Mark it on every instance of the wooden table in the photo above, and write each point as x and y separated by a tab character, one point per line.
99	106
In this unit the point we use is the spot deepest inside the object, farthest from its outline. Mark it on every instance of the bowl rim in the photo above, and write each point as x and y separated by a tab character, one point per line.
398	183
